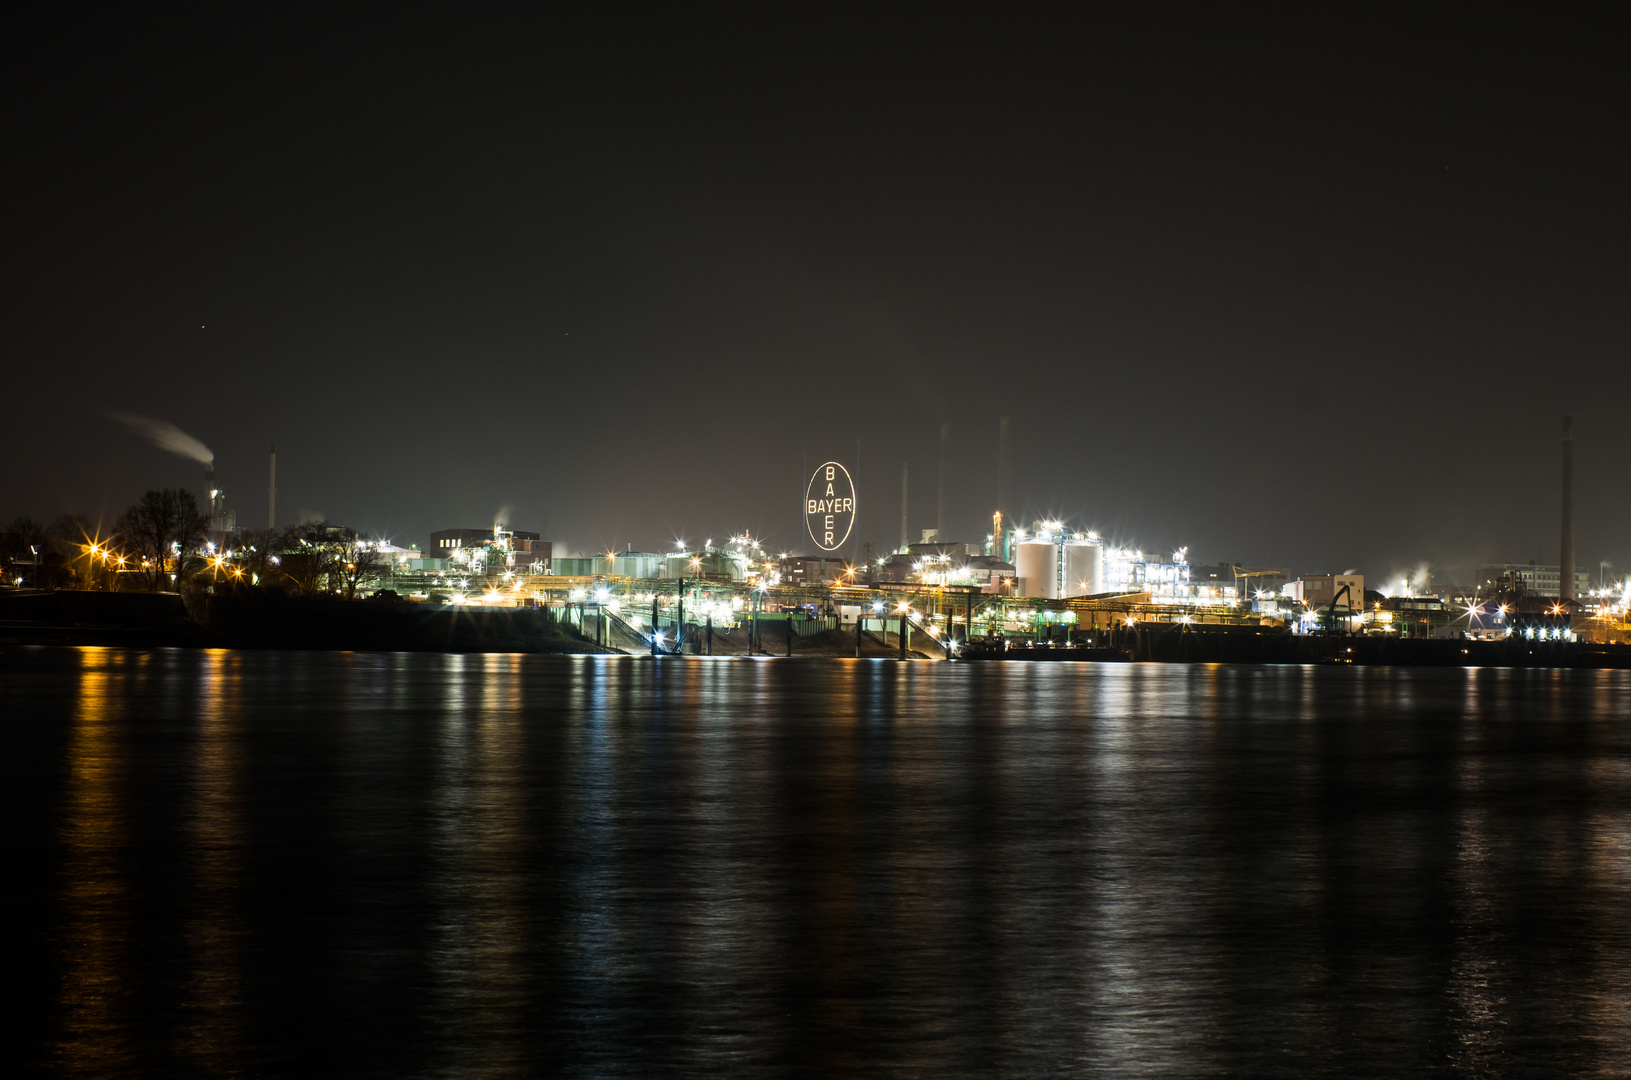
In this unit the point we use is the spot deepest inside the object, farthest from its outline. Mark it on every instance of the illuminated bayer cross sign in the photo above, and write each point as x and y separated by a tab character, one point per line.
829	506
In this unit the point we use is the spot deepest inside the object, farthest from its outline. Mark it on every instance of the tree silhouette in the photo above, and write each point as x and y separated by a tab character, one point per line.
164	530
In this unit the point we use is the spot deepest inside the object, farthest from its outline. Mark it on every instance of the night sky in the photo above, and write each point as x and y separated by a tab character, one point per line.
1302	294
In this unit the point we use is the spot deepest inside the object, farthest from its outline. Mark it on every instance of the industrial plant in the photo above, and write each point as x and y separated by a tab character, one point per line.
1046	585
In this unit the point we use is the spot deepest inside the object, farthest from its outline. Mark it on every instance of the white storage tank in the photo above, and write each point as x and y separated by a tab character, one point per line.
1036	565
1084	569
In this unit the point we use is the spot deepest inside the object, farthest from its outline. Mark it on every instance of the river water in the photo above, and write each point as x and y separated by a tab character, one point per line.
288	864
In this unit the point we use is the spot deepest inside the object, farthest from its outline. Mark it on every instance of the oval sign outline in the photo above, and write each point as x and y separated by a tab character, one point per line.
809	516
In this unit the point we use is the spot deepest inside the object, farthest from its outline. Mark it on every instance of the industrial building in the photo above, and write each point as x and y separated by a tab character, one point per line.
991	574
1246	581
1317	590
1527	579
629	563
445	541
492	550
812	569
1054	563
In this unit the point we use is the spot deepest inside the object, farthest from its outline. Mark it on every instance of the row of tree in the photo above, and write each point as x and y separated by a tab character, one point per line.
162	541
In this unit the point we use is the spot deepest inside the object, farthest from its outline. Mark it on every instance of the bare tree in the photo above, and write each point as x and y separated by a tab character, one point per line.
259	556
357	564
305	557
164	530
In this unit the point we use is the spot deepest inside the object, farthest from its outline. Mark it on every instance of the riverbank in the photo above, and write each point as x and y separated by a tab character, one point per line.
254	620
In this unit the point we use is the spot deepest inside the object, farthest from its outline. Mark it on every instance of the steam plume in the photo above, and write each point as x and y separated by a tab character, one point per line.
166	436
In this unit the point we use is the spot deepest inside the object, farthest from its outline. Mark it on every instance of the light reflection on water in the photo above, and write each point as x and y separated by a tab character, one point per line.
261	863
95	1037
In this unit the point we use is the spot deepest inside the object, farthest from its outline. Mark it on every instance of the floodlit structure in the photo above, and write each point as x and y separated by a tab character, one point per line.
1053	563
492	550
1036	565
221	520
1084	568
1127	571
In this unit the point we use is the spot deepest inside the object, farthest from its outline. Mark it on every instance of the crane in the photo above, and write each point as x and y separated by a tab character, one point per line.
1330	619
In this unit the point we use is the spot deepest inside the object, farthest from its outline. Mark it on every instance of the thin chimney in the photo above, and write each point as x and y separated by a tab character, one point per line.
903	468
271	493
1565	562
945	465
1005	467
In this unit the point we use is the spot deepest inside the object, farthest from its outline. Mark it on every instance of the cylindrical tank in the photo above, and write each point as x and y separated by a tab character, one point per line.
1036	565
1084	569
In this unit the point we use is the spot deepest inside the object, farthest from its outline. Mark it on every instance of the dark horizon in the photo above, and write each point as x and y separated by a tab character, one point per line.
1283	301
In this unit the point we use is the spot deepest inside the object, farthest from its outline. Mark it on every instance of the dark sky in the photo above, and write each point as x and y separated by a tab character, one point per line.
1288	293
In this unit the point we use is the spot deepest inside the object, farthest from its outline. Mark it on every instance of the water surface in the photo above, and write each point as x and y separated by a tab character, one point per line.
280	864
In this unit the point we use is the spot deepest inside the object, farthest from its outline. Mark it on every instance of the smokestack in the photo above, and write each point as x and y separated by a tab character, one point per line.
1565	562
271	492
209	492
855	552
1005	466
902	507
945	464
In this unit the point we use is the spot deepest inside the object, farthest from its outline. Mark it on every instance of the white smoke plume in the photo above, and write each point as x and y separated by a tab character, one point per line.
502	518
166	436
1416	581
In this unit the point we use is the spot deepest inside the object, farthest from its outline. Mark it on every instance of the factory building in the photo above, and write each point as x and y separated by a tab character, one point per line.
1527	579
630	563
1317	590
1054	563
1216	579
492	550
709	564
446	541
898	567
1127	571
812	570
991	574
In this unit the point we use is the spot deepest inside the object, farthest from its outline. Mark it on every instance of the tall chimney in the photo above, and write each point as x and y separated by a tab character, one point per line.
1565	562
945	464
903	534
271	492
855	552
209	493
1005	467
